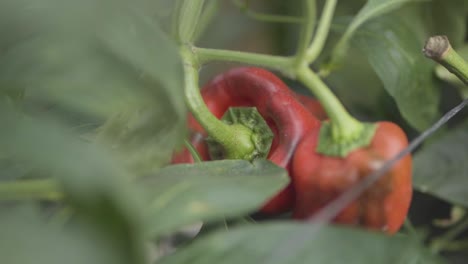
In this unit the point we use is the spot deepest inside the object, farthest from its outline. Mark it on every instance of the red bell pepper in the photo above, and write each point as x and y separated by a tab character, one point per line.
318	179
288	119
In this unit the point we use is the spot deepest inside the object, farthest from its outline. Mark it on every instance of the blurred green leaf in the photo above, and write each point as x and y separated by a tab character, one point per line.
301	243
95	185
449	18
394	52
371	10
441	168
28	238
184	194
91	62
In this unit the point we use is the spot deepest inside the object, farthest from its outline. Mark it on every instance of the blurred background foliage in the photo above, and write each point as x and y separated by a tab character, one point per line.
91	98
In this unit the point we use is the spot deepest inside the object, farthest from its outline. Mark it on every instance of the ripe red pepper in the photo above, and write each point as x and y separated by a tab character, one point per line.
319	179
313	105
288	119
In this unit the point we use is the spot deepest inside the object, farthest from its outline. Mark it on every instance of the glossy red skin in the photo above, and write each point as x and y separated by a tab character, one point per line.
319	179
288	119
313	105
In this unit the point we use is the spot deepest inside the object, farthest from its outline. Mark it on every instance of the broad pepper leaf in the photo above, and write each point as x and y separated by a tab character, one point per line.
301	243
184	194
394	52
441	168
93	62
449	18
371	10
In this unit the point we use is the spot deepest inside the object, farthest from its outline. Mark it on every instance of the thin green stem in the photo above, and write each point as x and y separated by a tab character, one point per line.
458	245
322	31
279	63
189	16
409	227
441	242
344	126
235	140
206	17
193	151
265	17
45	189
439	49
175	19
307	30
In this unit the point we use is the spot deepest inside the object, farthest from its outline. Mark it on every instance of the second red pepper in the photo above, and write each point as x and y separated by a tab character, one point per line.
319	179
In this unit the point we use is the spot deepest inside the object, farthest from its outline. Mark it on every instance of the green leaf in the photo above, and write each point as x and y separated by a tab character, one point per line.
449	18
394	52
95	185
301	243
28	238
184	194
115	67
371	10
441	168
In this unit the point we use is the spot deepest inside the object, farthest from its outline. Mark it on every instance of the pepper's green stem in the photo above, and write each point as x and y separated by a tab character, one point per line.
205	18
439	49
343	133
188	17
265	17
323	29
236	140
439	243
279	63
344	126
307	30
46	189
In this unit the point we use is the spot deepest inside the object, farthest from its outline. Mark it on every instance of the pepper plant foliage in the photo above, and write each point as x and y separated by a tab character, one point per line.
92	106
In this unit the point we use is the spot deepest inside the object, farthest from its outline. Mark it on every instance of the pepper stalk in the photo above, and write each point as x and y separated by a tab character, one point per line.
236	140
343	133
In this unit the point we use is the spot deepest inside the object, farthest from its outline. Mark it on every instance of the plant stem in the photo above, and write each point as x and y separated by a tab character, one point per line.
307	30
189	15
235	140
206	17
265	17
175	19
322	31
45	189
344	126
279	63
439	49
439	243
193	151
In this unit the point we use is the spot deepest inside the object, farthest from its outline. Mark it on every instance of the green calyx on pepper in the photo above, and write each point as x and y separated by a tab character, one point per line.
250	118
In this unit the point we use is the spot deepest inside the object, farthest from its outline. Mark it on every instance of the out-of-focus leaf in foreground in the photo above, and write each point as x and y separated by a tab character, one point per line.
97	61
184	194
27	238
277	243
95	185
